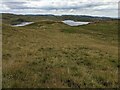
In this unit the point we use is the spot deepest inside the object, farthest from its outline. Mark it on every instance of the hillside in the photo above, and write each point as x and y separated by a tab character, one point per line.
51	54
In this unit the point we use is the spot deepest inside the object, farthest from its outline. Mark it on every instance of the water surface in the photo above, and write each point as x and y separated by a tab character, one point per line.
23	24
73	23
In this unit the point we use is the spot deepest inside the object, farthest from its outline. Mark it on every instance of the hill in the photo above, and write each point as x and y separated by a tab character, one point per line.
51	54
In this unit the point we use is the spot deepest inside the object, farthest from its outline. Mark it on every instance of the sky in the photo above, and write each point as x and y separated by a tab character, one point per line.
107	8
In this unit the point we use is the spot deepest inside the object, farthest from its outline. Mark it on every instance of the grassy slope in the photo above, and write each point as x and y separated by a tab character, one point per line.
52	54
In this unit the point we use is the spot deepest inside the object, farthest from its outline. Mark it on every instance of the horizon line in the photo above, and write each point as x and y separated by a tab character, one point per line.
62	15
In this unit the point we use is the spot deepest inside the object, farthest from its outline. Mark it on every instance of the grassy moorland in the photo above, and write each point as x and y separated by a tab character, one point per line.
51	54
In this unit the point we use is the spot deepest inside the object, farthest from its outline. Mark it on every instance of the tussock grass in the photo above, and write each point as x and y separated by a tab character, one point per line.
51	54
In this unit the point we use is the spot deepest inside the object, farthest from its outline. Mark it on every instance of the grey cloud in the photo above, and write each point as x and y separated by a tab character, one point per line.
17	6
21	5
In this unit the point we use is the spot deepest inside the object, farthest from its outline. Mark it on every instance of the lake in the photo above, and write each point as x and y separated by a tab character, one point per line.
68	22
74	23
23	24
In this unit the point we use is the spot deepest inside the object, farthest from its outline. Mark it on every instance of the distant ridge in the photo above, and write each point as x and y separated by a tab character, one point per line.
62	15
16	18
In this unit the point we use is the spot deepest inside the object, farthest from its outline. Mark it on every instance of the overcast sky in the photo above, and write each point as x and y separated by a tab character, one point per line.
107	8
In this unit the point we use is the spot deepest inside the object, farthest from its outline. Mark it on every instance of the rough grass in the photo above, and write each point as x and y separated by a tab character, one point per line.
51	54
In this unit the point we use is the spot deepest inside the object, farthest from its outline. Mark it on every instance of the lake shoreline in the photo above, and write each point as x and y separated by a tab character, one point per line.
75	23
22	24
